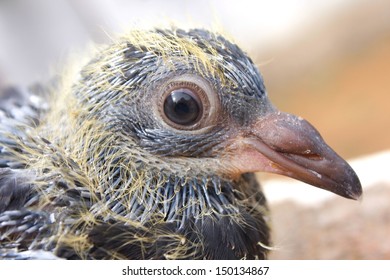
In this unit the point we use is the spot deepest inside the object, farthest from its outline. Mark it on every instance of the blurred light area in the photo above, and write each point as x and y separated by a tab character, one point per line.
35	34
269	22
249	20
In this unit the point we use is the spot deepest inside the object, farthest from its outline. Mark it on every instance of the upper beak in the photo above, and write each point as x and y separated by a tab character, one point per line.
288	145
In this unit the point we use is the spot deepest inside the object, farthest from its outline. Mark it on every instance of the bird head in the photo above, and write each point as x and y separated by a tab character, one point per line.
193	104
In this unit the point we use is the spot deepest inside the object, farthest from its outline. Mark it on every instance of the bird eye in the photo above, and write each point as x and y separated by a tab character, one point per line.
187	103
182	106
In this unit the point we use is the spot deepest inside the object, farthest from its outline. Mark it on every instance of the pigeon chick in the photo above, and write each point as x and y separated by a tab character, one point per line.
149	153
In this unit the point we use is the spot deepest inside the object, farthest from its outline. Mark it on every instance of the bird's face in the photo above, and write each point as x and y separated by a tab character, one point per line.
192	102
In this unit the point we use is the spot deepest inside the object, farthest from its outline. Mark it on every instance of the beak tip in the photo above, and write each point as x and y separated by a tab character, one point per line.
357	195
359	198
354	191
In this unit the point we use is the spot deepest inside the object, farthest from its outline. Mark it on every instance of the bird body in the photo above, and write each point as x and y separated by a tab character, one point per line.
149	153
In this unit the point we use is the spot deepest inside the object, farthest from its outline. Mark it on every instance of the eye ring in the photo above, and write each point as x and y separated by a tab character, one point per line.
192	103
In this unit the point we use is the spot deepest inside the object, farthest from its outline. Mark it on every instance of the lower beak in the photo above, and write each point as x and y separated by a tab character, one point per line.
285	144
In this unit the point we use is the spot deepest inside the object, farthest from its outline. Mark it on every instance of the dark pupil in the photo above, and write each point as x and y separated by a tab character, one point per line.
181	107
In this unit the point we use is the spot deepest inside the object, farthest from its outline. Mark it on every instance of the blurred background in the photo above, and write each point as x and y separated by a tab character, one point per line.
327	61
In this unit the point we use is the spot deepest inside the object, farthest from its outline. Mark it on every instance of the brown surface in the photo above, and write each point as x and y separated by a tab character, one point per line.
339	229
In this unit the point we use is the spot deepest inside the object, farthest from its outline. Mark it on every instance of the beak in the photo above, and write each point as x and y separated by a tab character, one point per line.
285	144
